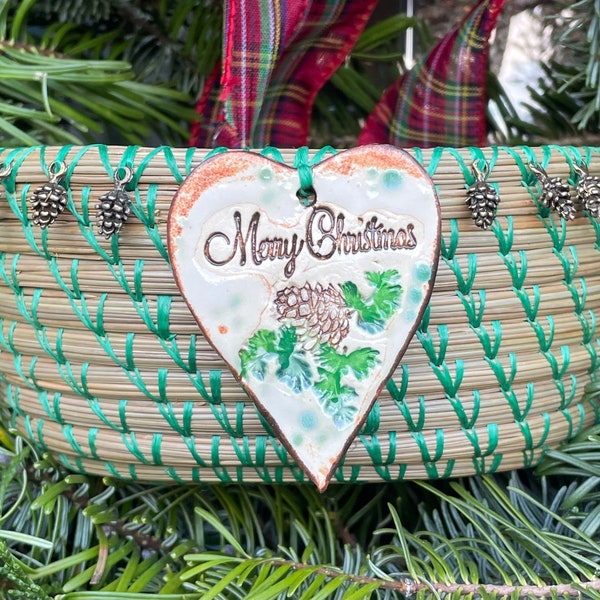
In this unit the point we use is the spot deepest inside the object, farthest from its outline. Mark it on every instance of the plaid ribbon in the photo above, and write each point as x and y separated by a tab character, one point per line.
441	101
276	57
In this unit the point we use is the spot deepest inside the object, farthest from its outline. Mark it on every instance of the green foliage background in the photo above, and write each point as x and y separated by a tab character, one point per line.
129	72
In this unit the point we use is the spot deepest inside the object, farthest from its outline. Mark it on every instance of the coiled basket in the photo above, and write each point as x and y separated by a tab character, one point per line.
103	366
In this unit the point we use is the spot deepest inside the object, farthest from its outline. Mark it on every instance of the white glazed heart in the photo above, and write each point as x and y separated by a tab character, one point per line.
311	306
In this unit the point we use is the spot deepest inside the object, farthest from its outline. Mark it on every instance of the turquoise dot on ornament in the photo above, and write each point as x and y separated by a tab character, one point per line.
410	315
297	440
422	272
392	179
266	174
415	295
308	420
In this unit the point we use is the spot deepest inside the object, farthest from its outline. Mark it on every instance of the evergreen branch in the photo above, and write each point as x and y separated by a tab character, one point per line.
404	585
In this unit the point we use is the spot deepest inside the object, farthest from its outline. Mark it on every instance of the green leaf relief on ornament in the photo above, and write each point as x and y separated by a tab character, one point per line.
374	311
294	370
261	347
335	397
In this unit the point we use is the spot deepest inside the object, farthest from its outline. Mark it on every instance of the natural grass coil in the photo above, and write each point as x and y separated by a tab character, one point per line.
103	366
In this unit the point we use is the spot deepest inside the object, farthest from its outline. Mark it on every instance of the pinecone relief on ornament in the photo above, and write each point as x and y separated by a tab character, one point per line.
319	313
555	193
113	208
588	190
49	200
482	197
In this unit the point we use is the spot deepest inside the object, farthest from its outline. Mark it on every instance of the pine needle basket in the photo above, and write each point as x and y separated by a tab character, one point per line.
103	366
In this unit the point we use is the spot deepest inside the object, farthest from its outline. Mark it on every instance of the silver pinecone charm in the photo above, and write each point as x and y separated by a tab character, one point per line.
556	194
49	200
115	206
482	198
588	190
318	312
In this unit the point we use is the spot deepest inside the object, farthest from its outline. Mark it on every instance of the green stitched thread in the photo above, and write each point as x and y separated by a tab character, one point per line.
157	321
398	396
465	421
372	422
272	153
341	477
92	437
538	328
448	250
435	358
190	442
530	307
450	384
474	314
574	431
566	399
243	450
306	192
529	453
490	348
492	445
373	447
429	461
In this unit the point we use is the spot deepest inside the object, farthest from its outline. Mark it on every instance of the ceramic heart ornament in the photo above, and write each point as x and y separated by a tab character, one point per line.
311	303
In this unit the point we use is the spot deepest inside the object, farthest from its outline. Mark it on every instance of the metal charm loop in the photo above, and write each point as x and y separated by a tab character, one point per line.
556	194
49	200
482	197
114	208
588	190
5	170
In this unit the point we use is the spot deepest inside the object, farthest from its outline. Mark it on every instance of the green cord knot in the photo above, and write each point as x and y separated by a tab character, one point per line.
306	192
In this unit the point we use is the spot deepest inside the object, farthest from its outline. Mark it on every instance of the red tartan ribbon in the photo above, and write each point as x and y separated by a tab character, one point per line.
276	57
442	101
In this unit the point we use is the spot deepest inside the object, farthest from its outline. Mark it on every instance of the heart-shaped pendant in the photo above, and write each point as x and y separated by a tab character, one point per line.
310	300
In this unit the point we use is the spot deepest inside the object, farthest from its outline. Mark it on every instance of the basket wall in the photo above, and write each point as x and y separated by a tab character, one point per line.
103	365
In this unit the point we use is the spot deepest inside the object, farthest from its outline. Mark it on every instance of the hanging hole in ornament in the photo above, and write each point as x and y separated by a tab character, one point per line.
307	196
